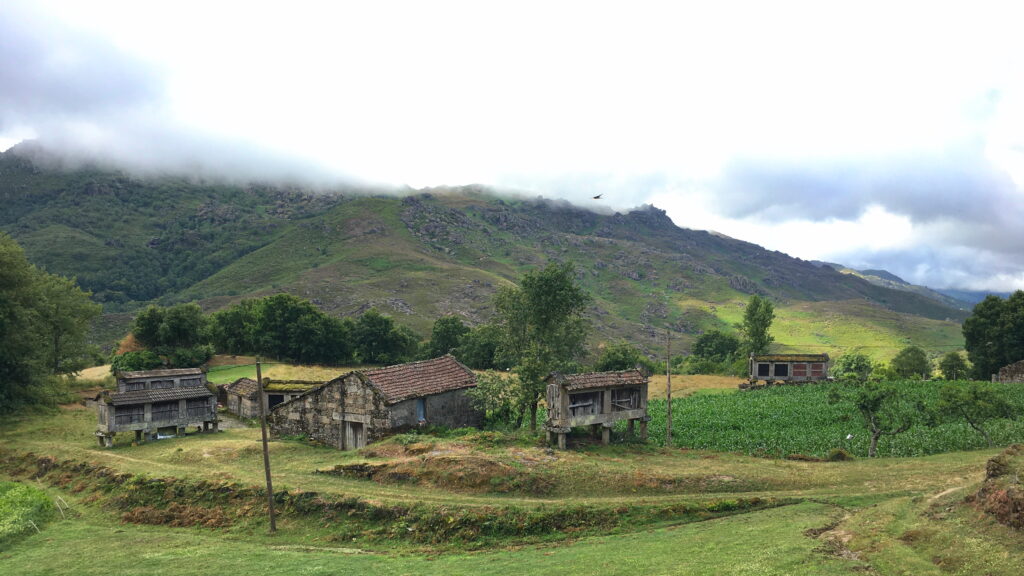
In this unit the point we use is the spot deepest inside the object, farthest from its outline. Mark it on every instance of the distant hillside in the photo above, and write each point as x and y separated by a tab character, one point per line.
887	279
441	251
971	297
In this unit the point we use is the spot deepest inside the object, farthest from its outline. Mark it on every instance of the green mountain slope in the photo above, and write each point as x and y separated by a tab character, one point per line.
446	251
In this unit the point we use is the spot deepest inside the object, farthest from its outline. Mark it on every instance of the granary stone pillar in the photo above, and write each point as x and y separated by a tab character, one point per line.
561	440
643	430
606	435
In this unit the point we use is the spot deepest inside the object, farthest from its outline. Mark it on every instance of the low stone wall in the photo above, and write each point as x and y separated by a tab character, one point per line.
1012	373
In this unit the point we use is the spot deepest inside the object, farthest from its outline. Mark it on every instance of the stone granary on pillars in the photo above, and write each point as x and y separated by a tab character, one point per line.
788	367
363	406
596	399
240	398
1010	373
147	402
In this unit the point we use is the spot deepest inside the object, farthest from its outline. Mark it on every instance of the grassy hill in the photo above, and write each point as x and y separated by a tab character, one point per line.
442	251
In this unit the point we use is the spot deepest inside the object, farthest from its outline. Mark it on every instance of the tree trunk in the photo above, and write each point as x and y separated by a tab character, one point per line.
533	415
873	449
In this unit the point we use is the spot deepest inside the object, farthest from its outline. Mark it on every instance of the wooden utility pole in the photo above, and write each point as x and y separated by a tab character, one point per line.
266	449
668	387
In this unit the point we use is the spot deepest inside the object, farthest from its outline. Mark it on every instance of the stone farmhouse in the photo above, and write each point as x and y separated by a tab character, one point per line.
363	406
240	398
598	400
1010	373
149	401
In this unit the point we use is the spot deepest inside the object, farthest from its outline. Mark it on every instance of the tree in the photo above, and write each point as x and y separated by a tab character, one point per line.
233	330
623	356
446	336
43	320
64	313
953	366
716	346
911	362
976	403
542	326
178	334
886	411
994	334
479	348
378	340
852	366
499	396
757	320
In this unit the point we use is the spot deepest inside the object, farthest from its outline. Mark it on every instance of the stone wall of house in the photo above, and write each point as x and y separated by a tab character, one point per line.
1012	373
322	413
452	409
242	406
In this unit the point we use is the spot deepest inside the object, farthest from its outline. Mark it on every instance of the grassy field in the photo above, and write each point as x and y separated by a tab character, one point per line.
883	514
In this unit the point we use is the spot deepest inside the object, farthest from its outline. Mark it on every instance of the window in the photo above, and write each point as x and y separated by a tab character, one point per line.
129	414
625	399
164	411
161	384
782	370
198	408
421	409
191	381
817	370
799	370
133	386
764	370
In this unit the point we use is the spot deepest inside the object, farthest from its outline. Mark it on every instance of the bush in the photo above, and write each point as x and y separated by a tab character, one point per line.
138	360
21	506
838	455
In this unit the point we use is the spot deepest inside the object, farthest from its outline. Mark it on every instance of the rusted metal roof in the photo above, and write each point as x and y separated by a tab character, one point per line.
162	395
600	379
244	387
160	373
791	358
404	381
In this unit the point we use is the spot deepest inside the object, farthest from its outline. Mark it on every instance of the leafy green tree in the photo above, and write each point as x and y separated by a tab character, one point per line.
233	330
976	403
912	362
757	321
716	346
178	334
64	312
378	340
446	336
500	396
885	410
852	366
43	320
136	360
624	356
953	366
543	328
479	348
994	334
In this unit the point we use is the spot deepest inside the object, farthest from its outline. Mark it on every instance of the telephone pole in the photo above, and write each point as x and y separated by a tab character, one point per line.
668	387
266	448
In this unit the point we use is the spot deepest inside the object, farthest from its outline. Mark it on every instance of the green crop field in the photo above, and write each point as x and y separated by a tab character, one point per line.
784	420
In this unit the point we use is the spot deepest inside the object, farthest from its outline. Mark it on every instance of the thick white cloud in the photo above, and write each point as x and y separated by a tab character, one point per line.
882	127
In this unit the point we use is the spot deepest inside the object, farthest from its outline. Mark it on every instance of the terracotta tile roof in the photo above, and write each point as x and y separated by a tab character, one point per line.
415	379
160	373
791	358
599	379
162	395
244	387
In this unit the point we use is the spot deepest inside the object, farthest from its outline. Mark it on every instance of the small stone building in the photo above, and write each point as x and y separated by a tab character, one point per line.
363	406
1011	373
280	391
240	398
788	367
147	401
596	399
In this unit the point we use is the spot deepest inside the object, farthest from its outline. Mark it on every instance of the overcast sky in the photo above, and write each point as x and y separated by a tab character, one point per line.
879	135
